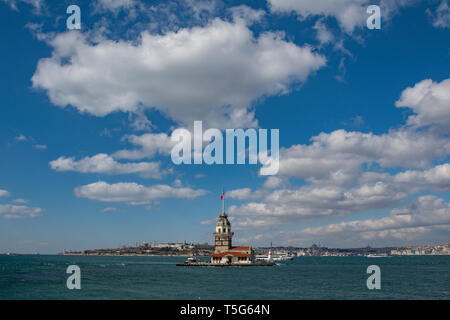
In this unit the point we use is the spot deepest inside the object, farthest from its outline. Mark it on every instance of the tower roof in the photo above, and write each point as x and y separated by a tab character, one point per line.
223	220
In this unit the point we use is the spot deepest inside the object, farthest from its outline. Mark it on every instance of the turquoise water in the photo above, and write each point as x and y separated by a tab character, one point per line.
44	277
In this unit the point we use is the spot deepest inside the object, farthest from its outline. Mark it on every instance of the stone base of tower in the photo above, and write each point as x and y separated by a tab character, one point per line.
222	242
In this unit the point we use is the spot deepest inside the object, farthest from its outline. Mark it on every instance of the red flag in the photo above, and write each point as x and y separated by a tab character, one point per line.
221	197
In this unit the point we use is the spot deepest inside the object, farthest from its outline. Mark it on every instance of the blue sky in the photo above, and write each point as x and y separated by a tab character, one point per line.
86	118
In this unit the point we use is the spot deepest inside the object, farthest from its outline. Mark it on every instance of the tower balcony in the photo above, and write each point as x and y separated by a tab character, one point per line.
228	234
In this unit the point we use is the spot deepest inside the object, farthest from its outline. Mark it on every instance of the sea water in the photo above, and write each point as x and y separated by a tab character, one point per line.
402	277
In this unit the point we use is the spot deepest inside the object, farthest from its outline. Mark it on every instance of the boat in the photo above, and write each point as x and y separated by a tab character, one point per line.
274	257
282	257
190	260
381	255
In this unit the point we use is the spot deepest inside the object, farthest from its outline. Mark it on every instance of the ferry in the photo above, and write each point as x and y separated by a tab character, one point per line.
282	257
275	257
191	260
381	255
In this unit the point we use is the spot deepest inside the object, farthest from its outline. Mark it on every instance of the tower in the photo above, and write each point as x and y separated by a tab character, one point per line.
223	235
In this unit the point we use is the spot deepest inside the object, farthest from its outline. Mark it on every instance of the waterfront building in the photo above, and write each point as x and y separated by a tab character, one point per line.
224	252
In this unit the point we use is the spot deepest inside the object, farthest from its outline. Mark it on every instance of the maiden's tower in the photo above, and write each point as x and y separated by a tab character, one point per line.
224	252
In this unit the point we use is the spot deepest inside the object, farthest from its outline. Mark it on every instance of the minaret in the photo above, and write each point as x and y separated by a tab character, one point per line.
223	235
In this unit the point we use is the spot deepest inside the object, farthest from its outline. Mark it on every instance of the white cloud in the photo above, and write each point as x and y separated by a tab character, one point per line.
4	193
323	34
9	211
108	209
212	73
286	206
430	102
160	15
339	46
437	178
149	145
114	5
370	190
342	71
349	13
140	122
20	200
103	163
273	182
247	14
424	212
243	194
424	220
441	16
40	146
21	137
201	8
133	193
345	172
37	4
209	221
338	156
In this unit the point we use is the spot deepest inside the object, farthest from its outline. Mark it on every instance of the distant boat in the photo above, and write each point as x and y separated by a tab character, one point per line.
381	255
274	257
12	254
190	260
282	257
